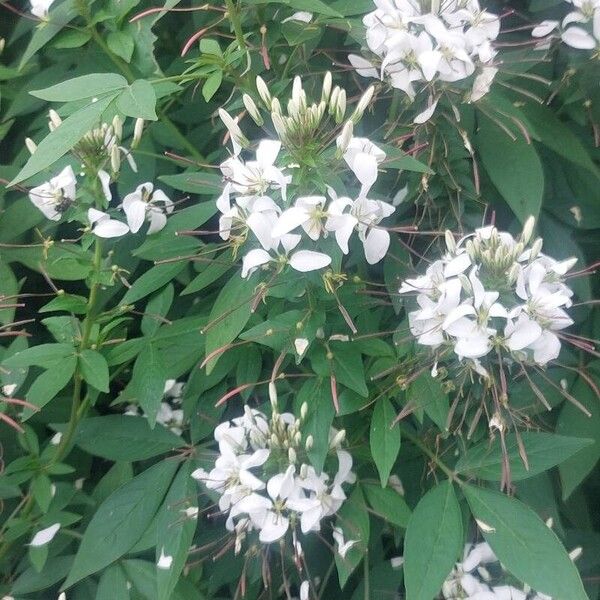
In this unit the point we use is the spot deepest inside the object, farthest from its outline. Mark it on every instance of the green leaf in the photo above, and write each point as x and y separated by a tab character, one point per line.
388	504
384	439
148	382
121	44
558	136
353	520
121	520
152	280
174	531
397	159
58	142
348	367
44	355
125	438
94	369
80	88
49	384
571	421
230	313
315	6
138	100
113	584
9	287
157	307
316	392
543	450
212	272
212	85
525	545
30	580
67	302
433	542
514	168
426	393
59	17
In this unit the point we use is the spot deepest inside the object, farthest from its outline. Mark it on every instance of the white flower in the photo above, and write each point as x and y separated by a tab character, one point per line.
105	227
147	204
304	590
172	419
307	213
39	8
55	196
342	545
45	536
363	158
482	83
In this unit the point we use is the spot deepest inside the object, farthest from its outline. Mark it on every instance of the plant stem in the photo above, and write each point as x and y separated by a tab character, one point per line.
234	18
367	595
407	433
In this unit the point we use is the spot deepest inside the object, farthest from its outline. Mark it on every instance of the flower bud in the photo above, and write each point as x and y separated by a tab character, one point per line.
344	139
326	92
450	243
340	109
303	411
528	230
536	248
137	132
333	99
291	455
263	91
276	106
304	467
470	247
252	109
297	90
117	125
2	44
54	118
513	274
309	443
363	104
279	125
115	159
293	108
31	145
233	128
273	395
337	440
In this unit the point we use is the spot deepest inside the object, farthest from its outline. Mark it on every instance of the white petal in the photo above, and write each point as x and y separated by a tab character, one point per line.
376	245
426	114
307	260
44	536
429	61
110	228
267	152
274	527
158	220
164	561
457	265
104	178
544	28
290	219
525	333
578	38
135	211
96	215
254	259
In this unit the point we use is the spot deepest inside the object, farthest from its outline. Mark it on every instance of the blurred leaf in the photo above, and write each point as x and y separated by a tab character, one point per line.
543	450
384	438
388	504
138	100
121	520
80	88
125	438
433	542
524	544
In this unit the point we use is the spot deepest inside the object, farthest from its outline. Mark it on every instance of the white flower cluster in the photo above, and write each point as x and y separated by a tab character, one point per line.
489	292
452	42
579	29
39	8
265	486
168	416
255	197
471	579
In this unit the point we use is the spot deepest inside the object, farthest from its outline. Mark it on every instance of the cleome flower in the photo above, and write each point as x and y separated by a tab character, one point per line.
265	486
55	196
416	51
264	204
579	29
492	294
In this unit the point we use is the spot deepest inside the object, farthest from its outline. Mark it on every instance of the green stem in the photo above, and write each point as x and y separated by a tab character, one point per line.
407	433
234	18
367	595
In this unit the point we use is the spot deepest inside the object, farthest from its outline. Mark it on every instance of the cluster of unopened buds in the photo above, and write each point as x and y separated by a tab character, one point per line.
491	294
417	51
263	483
579	29
97	150
256	196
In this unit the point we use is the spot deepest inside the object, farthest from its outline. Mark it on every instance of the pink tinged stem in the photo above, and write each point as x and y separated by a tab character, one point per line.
11	422
334	394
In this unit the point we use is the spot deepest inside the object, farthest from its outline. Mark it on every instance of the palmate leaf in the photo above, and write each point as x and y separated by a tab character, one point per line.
525	545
